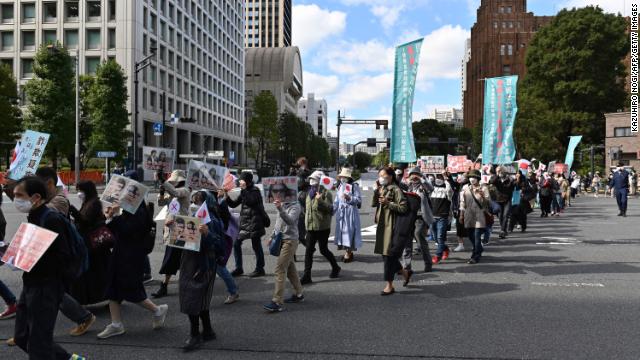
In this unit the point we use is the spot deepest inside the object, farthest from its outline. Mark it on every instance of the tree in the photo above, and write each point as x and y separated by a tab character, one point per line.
381	159
574	76
51	97
263	126
107	110
86	82
362	160
425	129
10	120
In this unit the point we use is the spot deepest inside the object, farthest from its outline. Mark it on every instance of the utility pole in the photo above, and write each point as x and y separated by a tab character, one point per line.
77	152
592	151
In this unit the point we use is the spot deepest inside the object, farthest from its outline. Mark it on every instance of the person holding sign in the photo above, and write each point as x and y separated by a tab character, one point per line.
346	206
44	286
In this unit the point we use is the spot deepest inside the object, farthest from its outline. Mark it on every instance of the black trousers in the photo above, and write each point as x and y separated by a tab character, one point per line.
391	267
322	238
36	319
545	204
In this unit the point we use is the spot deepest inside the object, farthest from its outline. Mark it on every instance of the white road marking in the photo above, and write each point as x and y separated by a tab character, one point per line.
554	284
558	241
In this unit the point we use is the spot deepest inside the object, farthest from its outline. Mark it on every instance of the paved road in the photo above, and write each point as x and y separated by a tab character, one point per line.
566	289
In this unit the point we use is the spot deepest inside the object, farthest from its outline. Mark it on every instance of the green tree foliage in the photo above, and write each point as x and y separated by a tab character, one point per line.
361	159
10	114
106	105
381	159
51	97
425	129
86	82
296	139
574	72
263	126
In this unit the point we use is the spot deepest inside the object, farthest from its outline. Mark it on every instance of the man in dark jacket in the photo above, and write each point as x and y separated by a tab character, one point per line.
252	224
620	183
504	190
302	173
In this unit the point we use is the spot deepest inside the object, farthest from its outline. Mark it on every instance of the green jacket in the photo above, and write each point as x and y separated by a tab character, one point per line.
319	211
386	214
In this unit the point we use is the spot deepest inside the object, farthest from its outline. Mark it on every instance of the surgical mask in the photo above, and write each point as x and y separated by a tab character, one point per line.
81	195
431	178
193	208
313	182
382	181
460	179
439	182
343	180
23	206
473	181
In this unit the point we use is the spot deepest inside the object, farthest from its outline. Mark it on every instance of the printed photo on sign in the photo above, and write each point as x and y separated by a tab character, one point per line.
203	176
125	192
184	233
458	164
284	189
432	164
157	159
28	245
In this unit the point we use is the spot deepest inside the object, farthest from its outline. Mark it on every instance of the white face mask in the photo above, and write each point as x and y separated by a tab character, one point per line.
473	181
81	195
382	181
439	182
22	205
343	180
431	179
313	182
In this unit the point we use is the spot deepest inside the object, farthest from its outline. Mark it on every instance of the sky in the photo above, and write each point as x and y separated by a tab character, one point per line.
348	47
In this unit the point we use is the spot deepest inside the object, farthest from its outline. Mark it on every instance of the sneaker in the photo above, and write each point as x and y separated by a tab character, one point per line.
9	313
158	320
208	336
257	273
335	273
147	279
111	331
445	254
237	272
273	307
82	329
231	299
459	248
294	299
472	261
435	260
77	357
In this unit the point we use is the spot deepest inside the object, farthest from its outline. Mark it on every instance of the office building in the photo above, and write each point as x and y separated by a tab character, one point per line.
314	112
267	23
621	145
452	117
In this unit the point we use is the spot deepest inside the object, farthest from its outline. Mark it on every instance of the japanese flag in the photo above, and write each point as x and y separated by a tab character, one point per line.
327	182
174	207
64	187
347	189
203	214
14	157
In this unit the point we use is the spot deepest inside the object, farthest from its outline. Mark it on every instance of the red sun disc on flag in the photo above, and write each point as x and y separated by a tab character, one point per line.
326	181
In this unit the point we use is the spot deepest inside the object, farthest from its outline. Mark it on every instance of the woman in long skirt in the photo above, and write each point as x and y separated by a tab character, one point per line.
348	235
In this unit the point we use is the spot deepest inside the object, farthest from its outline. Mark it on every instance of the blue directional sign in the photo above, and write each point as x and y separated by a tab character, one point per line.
157	129
106	154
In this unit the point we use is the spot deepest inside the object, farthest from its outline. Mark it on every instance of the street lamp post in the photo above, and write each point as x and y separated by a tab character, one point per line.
77	152
139	66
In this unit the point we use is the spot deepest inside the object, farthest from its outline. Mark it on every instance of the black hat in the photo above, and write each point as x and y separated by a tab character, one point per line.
247	177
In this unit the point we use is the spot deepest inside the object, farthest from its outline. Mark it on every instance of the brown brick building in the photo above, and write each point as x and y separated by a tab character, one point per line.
499	41
619	137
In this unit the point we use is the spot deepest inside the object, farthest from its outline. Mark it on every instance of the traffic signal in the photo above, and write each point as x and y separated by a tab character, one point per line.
371	142
388	143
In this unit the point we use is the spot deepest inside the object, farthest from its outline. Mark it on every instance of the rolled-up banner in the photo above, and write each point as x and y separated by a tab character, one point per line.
500	109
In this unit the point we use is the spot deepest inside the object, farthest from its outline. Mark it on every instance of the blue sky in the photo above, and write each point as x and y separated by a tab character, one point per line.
347	51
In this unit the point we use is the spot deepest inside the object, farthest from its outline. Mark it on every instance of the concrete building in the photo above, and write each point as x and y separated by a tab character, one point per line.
346	149
451	117
267	23
314	112
619	139
332	142
199	62
499	41
465	61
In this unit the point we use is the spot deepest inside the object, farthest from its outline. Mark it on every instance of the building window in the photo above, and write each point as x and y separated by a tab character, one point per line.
502	49
71	10
508	9
92	64
506	69
112	38
501	10
29	13
152	74
94	9
28	40
510	24
7	40
71	39
27	68
49	11
93	39
112	9
504	24
49	37
152	100
6	13
510	49
622	131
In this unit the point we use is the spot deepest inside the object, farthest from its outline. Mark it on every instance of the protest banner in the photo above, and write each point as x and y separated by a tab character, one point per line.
283	188
29	154
573	143
157	159
28	245
561	169
458	164
125	192
203	176
184	233
500	109
432	164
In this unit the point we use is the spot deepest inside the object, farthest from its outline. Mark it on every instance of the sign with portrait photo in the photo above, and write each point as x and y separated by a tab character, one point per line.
28	245
184	233
283	188
432	164
155	159
127	193
203	176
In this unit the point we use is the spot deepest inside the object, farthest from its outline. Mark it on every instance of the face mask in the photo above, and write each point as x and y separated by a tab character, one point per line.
439	182
382	181
460	179
343	180
193	208
313	182
23	206
473	181
81	195
431	178
399	173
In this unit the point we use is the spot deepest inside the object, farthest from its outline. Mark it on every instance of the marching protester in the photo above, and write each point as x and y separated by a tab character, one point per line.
389	201
44	287
286	232
7	296
461	231
253	220
546	193
575	185
126	268
474	200
595	183
424	220
524	192
441	202
231	228
90	221
564	190
504	186
346	207
175	189
620	183
556	200
318	213
302	173
198	272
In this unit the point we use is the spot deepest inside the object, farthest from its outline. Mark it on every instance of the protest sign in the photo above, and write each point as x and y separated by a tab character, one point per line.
458	164
203	176
174	206
29	154
551	167
125	192
230	182
432	164
157	159
184	233
283	188
28	245
561	169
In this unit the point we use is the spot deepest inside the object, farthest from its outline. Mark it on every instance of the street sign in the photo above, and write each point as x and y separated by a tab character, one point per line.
106	154
217	153
190	156
157	129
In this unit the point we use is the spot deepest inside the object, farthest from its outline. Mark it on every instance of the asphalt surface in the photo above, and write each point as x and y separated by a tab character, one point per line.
568	288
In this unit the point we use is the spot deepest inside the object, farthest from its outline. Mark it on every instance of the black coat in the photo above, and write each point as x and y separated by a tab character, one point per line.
251	218
404	226
504	188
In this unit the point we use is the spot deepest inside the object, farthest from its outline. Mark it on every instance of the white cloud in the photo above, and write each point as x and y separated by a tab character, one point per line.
357	57
363	90
612	6
388	15
321	85
441	53
311	25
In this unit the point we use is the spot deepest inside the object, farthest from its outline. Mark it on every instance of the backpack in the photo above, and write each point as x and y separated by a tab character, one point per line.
149	240
79	262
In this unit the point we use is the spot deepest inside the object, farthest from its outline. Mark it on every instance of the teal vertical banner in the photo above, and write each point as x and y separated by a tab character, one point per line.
500	109
573	142
403	148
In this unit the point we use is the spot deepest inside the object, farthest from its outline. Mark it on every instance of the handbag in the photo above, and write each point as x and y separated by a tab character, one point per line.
488	215
276	244
101	237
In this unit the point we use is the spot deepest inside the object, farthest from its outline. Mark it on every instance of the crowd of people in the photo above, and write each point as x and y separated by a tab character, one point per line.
408	206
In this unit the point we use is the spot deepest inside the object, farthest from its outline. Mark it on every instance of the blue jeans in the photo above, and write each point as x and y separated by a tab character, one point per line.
621	198
557	202
222	271
440	232
257	249
475	236
6	294
486	233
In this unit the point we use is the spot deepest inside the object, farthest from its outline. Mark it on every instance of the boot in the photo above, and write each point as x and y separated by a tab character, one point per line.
161	292
305	279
